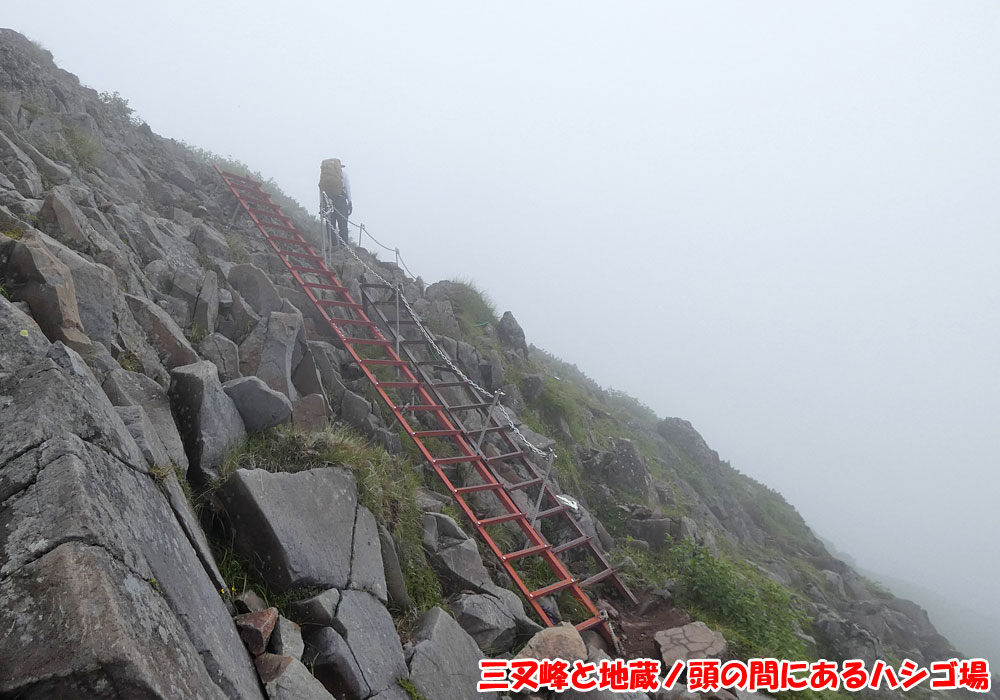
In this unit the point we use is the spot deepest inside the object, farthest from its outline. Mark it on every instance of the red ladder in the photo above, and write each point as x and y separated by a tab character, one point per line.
375	355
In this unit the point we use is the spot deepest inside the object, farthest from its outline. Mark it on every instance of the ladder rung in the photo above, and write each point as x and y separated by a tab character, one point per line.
328	287
427	363
471	407
226	175
501	519
572	544
366	341
538	548
262	213
589	624
421	407
311	270
280	227
350	321
524	484
387	363
406	385
293	254
447	384
552	511
433	433
260	202
477	488
597	578
376	285
507	455
292	241
413	342
552	588
342	304
456	460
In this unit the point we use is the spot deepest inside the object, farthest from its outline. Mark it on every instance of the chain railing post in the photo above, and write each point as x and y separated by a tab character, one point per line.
541	489
486	421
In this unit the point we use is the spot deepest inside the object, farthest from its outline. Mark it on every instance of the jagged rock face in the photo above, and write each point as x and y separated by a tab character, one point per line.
101	591
306	528
444	661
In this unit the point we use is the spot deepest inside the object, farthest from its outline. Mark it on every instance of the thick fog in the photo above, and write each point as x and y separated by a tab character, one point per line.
778	220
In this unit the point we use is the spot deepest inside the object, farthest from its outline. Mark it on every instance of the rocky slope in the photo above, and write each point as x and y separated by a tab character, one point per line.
167	461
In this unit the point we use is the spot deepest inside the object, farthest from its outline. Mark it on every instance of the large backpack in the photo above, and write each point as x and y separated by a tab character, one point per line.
331	178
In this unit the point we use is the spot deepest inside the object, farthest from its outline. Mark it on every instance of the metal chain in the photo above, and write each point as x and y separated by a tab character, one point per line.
433	343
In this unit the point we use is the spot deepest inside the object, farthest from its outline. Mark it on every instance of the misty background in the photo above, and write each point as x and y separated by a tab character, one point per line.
777	220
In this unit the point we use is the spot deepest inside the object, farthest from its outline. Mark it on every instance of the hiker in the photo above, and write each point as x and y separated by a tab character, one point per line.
333	181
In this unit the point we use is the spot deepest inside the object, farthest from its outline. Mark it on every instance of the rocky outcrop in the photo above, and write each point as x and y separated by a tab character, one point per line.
101	592
444	660
208	419
307	529
260	406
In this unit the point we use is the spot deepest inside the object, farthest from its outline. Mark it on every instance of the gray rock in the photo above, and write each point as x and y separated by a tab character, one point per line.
286	639
623	466
163	333
238	320
131	389
277	352
310	413
559	642
317	611
306	375
453	554
487	620
395	582
296	683
96	287
692	641
206	307
335	665
208	419
254	286
145	436
511	334
355	409
369	631
46	284
299	525
210	242
444	662
259	405
224	354
367	571
92	548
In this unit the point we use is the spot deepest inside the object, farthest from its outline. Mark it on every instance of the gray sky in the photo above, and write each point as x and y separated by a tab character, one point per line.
794	204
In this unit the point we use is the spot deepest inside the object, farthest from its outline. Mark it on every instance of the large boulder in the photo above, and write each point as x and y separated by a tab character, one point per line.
560	642
270	351
453	554
692	641
255	287
287	678
444	661
301	526
208	419
487	620
101	592
224	354
125	388
511	334
623	466
163	333
46	284
260	406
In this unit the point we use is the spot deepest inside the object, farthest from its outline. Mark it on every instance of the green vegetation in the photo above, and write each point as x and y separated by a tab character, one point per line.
242	574
3	292
756	615
129	362
82	146
410	689
387	486
236	249
204	260
120	107
197	333
15	233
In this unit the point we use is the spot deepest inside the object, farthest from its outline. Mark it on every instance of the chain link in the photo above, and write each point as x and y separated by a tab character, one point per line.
437	348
